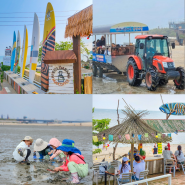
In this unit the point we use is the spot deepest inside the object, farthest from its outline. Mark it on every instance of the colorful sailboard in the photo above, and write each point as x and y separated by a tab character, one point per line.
17	56
13	51
34	48
48	44
24	51
173	108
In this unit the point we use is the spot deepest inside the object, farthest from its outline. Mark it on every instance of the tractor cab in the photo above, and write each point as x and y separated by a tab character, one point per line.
152	62
151	49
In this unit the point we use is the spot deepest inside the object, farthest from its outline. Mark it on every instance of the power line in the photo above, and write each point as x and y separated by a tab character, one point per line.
30	21
29	24
36	12
32	17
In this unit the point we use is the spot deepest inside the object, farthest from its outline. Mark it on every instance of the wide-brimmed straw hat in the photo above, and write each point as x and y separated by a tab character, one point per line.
40	145
68	146
28	138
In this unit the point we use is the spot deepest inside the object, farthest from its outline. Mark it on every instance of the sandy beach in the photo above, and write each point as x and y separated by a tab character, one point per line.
12	173
107	154
86	124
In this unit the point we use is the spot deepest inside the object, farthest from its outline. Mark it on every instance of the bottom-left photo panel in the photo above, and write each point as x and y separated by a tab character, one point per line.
46	139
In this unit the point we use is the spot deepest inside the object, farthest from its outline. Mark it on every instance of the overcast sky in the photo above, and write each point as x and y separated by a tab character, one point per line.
61	107
137	101
8	9
154	13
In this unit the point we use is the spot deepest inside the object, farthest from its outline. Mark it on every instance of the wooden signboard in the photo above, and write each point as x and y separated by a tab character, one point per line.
61	78
173	108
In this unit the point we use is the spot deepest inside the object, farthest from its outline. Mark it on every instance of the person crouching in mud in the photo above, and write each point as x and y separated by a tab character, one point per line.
43	148
22	151
55	143
74	161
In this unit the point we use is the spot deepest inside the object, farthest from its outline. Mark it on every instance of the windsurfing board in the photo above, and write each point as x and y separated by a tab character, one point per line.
34	48
13	51
24	51
48	44
17	52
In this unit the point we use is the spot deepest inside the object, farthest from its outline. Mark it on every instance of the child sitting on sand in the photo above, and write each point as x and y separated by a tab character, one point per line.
43	148
22	151
74	161
55	143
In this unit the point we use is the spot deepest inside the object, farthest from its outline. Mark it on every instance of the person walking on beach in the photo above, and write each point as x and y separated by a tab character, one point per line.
124	168
55	143
138	167
179	155
74	161
22	151
167	155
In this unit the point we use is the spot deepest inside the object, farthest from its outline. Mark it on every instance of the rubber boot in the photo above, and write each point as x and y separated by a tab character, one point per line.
34	155
75	178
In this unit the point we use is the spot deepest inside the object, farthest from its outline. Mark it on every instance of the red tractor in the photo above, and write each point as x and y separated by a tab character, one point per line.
152	61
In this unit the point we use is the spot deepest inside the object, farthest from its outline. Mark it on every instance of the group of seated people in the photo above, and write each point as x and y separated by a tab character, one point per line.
177	157
138	166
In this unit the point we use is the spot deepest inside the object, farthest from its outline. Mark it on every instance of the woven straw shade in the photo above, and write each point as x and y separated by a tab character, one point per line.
80	23
133	124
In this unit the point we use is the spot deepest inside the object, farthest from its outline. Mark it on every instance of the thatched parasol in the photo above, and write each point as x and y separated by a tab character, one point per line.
80	23
134	126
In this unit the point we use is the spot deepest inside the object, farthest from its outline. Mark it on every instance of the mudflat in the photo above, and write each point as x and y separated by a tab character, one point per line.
36	173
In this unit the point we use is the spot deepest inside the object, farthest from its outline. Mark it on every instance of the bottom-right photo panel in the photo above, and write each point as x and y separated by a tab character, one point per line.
139	139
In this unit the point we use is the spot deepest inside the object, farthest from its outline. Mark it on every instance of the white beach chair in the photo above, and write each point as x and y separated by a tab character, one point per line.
125	177
97	174
169	164
143	175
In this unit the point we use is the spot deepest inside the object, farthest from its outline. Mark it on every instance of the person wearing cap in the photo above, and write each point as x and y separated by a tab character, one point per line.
138	167
22	151
55	143
167	155
124	168
74	161
43	148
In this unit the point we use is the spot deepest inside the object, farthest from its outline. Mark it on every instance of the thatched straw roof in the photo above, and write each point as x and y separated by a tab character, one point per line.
133	124
166	126
80	23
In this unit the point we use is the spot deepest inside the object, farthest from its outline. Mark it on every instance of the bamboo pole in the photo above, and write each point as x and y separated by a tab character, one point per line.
132	156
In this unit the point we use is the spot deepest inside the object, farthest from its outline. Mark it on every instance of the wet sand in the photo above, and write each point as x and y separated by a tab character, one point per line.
113	83
12	173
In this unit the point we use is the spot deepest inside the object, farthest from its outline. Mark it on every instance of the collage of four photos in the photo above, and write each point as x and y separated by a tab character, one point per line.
92	92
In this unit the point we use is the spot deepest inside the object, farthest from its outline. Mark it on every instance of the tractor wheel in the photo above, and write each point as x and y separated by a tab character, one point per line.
133	73
151	79
180	83
100	72
163	82
94	69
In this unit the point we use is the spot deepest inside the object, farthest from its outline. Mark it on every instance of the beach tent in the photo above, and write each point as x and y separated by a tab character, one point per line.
134	127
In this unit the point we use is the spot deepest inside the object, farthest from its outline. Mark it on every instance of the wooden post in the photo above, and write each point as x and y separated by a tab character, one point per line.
88	85
77	64
132	156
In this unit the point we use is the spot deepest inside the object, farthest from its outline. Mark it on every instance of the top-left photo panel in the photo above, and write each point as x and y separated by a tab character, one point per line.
46	47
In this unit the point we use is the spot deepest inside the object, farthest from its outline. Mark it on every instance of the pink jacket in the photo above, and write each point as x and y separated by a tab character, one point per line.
55	142
73	158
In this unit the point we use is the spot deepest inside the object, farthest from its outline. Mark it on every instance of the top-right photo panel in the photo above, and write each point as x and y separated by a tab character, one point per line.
138	47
